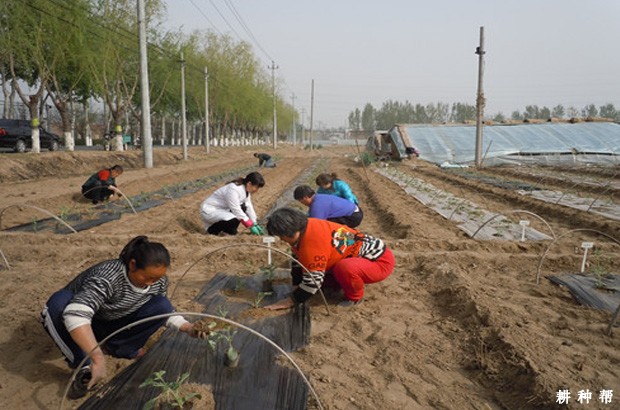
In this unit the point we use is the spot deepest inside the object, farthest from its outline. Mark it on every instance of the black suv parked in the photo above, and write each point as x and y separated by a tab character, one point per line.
17	134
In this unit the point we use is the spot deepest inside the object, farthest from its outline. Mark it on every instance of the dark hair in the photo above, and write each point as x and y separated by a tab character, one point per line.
324	179
117	168
303	191
145	253
254	177
286	222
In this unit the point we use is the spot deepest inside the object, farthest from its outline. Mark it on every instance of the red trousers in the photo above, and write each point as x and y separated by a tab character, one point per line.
352	273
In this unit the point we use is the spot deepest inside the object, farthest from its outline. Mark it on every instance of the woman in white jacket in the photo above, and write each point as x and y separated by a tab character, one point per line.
230	205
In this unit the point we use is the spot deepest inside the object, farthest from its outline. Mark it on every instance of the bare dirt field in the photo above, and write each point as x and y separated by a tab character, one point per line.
461	322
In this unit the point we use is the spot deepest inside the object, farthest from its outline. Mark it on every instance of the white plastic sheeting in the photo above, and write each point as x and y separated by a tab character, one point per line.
596	142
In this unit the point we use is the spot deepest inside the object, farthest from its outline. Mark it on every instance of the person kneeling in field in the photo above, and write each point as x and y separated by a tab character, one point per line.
102	185
231	205
105	298
264	160
329	250
329	207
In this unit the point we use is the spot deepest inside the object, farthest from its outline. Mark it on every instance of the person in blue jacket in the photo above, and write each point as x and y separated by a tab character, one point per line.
330	184
329	207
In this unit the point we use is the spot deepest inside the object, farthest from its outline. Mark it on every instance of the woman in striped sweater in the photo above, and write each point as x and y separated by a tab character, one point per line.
103	299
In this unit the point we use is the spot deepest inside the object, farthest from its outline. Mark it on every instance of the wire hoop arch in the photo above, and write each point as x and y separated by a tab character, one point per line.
257	246
207	315
115	187
45	211
516	211
6	261
544	255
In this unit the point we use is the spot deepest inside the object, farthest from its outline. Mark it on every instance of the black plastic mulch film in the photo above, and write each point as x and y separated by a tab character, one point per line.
260	381
601	294
112	211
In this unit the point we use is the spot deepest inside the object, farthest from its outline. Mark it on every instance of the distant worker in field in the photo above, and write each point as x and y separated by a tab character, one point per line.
102	185
329	207
231	205
412	152
264	160
332	252
105	298
330	184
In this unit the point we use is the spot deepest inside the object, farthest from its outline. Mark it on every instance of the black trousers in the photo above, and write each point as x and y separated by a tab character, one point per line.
229	227
352	221
96	193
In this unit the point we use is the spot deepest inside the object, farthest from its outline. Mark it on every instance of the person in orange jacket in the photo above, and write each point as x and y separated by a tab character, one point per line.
325	248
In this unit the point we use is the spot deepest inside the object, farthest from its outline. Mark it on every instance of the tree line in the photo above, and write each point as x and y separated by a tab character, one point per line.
395	112
76	53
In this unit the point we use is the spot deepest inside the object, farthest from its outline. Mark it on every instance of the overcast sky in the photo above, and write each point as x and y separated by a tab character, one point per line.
538	52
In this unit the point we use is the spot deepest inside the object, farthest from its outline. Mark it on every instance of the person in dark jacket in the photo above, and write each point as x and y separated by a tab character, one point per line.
102	185
264	160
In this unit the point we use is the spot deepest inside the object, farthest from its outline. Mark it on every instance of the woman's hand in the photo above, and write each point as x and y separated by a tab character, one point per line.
98	371
282	304
115	190
189	329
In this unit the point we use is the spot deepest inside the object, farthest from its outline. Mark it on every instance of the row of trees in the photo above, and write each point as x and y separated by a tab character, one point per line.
394	112
86	52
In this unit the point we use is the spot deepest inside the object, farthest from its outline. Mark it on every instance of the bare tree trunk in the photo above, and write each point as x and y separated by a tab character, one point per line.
34	123
163	130
173	138
88	136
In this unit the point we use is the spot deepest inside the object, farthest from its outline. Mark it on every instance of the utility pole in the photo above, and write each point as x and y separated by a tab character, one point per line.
147	141
183	117
207	142
311	111
294	121
480	100
275	117
303	126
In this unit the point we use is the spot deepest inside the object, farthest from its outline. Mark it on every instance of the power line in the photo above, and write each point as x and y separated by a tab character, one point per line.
206	18
233	9
223	18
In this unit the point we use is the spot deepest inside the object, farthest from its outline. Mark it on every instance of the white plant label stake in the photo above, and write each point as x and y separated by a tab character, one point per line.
523	224
269	240
585	246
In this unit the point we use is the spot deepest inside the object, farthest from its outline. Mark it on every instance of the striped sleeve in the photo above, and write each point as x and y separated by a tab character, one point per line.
372	248
310	283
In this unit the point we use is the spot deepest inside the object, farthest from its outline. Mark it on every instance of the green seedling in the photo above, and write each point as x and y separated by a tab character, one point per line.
268	271
170	391
259	298
222	311
232	355
239	284
599	273
225	335
64	213
212	336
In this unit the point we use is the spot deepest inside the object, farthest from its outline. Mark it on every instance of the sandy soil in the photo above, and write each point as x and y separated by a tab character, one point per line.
461	323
